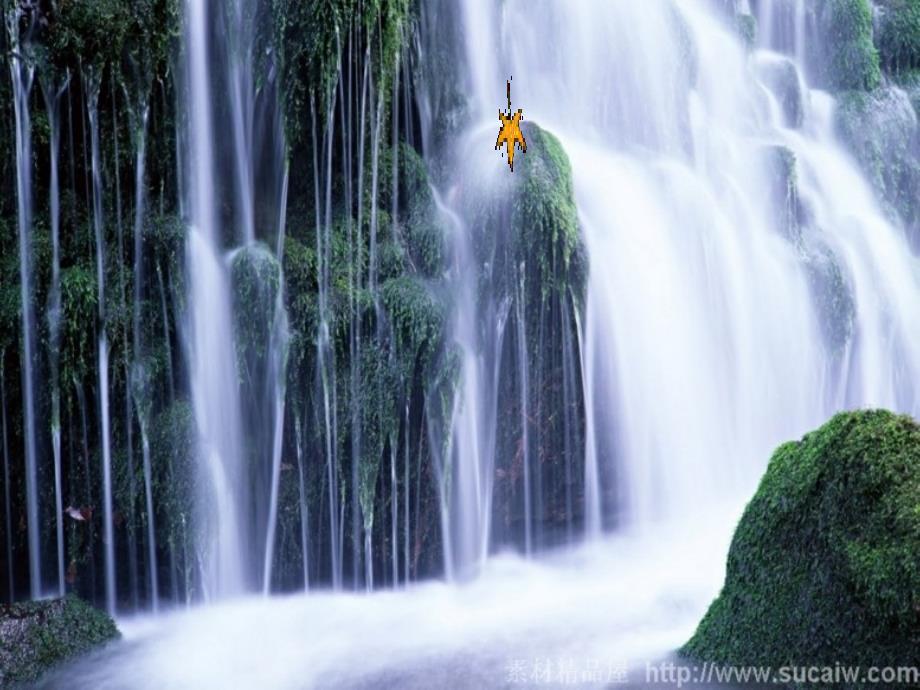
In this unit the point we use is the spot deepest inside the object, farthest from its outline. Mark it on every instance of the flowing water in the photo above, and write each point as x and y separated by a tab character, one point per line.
705	337
23	73
215	392
744	285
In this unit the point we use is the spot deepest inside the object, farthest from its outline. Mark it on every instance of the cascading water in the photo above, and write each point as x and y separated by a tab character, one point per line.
23	73
238	368
93	79
53	93
215	391
707	316
734	281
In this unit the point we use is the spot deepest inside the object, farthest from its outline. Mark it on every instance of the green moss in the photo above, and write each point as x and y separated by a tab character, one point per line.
880	129
421	228
899	35
310	37
417	317
544	218
78	314
173	453
256	278
9	288
823	566
299	264
36	635
378	398
833	299
849	60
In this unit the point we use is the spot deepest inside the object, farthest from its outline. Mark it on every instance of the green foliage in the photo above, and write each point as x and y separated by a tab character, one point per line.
104	32
850	60
165	234
823	566
78	314
9	290
173	452
36	635
310	37
899	35
88	31
299	264
421	227
378	398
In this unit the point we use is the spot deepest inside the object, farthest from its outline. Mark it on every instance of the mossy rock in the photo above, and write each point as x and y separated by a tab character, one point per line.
782	78
36	635
782	169
256	279
824	566
745	26
898	35
848	59
833	298
880	129
544	218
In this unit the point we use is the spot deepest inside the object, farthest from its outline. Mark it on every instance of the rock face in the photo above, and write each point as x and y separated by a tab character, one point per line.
880	129
36	635
825	563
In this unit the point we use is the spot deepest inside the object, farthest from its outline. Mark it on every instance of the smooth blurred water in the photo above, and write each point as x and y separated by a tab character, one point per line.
722	319
613	605
708	315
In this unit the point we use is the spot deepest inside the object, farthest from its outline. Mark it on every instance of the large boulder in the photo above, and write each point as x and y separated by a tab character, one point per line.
824	566
36	635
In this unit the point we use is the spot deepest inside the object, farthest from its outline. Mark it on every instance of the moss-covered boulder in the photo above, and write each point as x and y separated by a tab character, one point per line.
779	74
544	219
256	280
832	296
36	635
824	566
880	129
848	58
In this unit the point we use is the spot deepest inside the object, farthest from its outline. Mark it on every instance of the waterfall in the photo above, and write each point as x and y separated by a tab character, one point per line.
240	19
52	93
705	338
237	326
215	391
139	114
22	74
92	78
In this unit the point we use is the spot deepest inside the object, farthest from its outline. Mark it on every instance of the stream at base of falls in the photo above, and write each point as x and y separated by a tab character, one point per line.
584	617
